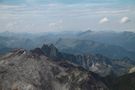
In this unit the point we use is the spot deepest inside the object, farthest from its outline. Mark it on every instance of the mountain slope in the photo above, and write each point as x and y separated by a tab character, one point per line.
32	70
124	39
96	63
110	44
125	82
88	46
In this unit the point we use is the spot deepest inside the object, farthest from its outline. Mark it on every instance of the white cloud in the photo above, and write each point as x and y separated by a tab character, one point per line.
57	24
75	16
104	20
124	20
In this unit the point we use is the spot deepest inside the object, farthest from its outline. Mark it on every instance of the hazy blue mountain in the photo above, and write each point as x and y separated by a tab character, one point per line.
110	44
4	49
78	46
124	39
16	41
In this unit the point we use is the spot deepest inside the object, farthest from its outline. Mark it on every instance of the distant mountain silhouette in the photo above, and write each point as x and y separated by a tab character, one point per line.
110	44
79	46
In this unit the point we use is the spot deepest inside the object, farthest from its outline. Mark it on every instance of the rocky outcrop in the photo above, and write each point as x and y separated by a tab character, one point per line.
132	70
95	63
50	50
32	70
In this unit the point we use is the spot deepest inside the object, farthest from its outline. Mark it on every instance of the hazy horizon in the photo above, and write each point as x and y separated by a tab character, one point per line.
60	15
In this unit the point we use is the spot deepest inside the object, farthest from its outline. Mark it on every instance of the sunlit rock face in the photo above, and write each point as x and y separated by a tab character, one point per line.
32	70
132	70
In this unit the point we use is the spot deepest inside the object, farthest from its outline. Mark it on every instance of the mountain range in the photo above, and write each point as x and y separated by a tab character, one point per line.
93	62
47	68
80	46
33	70
110	44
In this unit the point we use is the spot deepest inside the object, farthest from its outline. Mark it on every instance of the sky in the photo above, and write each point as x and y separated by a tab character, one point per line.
67	15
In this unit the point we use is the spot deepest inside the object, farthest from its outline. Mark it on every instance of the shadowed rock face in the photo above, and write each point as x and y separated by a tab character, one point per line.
125	82
50	50
95	63
23	70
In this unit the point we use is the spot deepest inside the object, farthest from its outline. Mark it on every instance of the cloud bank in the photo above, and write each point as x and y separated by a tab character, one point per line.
50	17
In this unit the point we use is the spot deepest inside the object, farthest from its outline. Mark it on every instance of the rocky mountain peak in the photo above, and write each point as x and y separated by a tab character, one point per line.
37	51
19	51
50	50
19	72
87	32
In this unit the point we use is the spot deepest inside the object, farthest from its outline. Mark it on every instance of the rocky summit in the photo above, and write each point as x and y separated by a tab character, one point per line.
33	70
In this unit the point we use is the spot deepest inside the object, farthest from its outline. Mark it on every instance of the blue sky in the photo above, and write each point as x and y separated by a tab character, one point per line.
64	15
